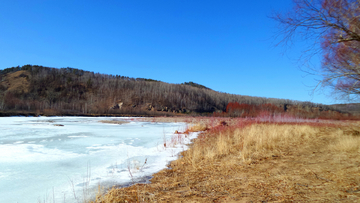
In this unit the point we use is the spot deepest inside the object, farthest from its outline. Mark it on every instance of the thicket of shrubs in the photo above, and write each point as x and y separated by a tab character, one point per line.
235	109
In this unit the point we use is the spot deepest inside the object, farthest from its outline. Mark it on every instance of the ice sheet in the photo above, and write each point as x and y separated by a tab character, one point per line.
41	161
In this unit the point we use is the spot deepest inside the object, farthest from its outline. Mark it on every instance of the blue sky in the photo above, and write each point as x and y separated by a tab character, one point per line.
227	46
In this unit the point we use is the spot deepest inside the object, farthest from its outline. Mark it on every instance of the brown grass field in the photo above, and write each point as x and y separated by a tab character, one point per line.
239	160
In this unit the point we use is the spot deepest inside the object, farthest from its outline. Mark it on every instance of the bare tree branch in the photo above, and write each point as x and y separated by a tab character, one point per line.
334	27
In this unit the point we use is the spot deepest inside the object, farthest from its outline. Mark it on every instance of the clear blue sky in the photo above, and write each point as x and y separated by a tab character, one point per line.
227	46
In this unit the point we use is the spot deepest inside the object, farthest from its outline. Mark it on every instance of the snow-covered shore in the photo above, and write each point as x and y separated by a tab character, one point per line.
66	158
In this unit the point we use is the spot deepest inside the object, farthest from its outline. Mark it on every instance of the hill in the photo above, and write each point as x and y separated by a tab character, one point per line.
353	108
70	91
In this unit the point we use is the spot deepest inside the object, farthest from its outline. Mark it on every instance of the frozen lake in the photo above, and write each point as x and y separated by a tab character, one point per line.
43	162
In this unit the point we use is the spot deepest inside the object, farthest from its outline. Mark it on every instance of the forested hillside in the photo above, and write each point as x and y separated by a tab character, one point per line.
39	89
353	108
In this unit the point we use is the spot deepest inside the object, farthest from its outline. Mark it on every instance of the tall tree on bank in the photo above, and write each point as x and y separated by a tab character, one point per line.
334	25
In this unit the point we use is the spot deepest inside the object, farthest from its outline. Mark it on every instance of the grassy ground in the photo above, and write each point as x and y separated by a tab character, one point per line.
247	161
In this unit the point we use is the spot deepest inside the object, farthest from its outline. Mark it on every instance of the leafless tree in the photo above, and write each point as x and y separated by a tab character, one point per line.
333	27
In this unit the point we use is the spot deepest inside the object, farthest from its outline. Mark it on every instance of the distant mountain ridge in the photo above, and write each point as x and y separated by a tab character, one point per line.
33	88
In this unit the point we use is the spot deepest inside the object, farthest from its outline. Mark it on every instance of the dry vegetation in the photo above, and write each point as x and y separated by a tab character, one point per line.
17	82
39	90
119	122
253	162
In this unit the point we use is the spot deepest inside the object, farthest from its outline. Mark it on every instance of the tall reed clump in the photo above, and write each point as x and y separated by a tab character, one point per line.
248	143
347	140
268	140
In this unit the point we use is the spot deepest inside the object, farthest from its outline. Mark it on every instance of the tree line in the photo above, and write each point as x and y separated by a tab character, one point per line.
68	90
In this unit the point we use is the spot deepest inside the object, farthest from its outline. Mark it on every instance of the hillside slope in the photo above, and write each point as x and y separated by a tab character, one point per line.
353	108
32	88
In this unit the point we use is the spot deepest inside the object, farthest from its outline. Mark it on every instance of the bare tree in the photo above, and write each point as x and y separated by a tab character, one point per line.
334	26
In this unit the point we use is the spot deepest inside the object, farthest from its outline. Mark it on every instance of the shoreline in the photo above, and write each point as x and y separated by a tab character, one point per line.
298	161
287	172
157	157
143	180
32	114
131	114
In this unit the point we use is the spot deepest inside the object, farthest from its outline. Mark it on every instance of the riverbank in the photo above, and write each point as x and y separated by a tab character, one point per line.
49	113
244	161
79	155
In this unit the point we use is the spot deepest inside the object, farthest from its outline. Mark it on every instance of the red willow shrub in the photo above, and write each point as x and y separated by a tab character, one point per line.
270	111
247	110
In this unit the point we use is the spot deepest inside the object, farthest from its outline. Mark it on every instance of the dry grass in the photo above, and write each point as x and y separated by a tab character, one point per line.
347	140
198	127
113	122
17	82
261	140
208	121
259	162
